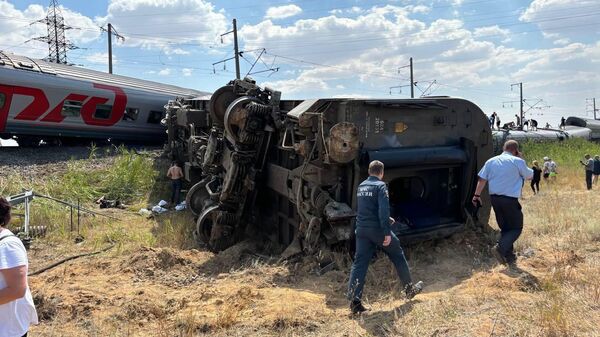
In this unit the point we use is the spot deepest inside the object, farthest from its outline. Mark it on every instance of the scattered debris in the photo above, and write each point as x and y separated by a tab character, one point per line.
105	203
181	206
160	207
145	212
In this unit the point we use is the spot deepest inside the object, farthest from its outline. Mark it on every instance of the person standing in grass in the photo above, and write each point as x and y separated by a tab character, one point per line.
553	169
373	230
546	169
17	311
505	174
588	162
596	169
537	176
176	175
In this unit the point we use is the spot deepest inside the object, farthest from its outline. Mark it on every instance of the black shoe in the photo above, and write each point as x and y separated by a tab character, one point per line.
498	255
412	290
356	307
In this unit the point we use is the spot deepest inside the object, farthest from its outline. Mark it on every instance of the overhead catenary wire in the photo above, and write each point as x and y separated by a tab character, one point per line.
372	74
562	11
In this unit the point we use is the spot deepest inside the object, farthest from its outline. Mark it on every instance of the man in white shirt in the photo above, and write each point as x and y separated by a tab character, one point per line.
505	175
17	311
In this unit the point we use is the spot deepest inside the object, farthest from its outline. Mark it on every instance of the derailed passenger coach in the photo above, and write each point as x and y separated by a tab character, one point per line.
290	169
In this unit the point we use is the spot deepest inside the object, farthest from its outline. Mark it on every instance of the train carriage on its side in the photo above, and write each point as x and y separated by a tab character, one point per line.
57	103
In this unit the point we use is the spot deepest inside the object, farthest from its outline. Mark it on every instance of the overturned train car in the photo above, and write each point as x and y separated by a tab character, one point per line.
290	169
576	127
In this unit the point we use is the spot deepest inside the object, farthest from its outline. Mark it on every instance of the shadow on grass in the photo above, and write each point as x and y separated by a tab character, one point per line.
380	323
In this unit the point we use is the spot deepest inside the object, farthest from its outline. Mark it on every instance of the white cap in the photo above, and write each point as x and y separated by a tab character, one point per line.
546	158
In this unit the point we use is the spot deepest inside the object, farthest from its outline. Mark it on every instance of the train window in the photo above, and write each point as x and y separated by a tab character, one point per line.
103	111
2	100
131	114
71	108
154	117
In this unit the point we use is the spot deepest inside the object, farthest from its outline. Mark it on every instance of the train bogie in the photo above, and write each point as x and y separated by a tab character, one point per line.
290	169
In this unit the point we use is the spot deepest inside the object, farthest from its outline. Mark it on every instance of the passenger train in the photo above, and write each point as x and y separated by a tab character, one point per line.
57	103
576	127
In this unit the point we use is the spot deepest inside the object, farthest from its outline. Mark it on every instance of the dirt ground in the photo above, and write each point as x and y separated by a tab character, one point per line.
162	291
149	287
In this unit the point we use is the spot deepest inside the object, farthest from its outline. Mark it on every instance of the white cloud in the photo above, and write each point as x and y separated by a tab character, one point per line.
491	31
164	72
186	72
282	12
154	24
561	42
176	51
351	10
564	18
100	58
15	29
364	52
421	9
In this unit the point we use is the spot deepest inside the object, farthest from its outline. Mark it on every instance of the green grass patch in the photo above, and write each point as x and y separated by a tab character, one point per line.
566	154
129	177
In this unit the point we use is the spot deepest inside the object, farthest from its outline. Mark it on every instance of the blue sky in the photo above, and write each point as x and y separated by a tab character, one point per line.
468	48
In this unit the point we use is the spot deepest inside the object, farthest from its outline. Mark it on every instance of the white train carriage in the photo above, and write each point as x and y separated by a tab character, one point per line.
55	102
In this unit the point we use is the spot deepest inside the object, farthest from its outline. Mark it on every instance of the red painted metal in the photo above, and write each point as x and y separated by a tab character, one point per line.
117	112
56	114
7	91
36	108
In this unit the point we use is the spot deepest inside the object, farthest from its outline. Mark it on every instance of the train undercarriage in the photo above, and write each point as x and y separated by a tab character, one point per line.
289	169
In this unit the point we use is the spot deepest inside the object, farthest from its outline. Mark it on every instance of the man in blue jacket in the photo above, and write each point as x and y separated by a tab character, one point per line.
373	230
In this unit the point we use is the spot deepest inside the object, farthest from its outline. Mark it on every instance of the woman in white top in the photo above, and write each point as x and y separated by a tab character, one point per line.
17	311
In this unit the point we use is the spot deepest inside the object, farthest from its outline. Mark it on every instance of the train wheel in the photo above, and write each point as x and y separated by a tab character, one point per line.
215	230
219	101
197	196
204	224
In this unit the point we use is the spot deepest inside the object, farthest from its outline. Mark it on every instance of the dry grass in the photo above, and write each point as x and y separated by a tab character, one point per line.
172	290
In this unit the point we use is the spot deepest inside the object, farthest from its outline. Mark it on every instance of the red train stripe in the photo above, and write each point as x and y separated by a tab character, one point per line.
56	114
36	108
7	91
117	112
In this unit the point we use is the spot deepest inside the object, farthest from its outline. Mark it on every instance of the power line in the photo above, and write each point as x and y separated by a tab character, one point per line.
56	40
371	39
271	4
110	32
562	10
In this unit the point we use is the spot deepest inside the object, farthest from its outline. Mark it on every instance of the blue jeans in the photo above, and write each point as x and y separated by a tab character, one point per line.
175	191
367	241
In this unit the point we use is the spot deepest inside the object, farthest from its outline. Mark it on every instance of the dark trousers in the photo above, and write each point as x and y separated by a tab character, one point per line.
588	178
367	241
535	184
510	220
175	190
